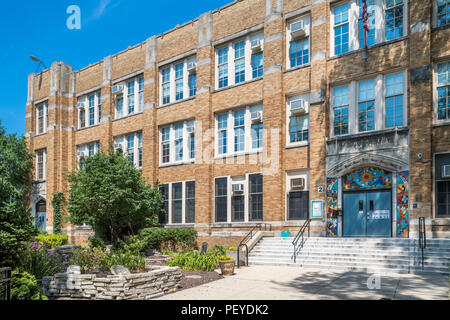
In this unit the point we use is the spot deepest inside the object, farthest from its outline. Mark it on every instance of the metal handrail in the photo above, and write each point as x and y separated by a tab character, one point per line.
248	237
300	234
422	238
5	282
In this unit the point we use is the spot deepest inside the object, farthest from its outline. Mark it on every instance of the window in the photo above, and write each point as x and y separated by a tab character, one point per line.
257	65
442	186
133	90
40	164
366	105
179	203
178	138
341	29
91	110
177	82
370	36
99	106
299	52
298	204
394	19
237	63
87	151
298	120
394	100
223	67
298	44
42	118
340	105
443	91
256	197
245	134
221	199
443	12
244	194
131	145
90	106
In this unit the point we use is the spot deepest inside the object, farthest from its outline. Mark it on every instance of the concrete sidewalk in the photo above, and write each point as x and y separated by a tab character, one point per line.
294	283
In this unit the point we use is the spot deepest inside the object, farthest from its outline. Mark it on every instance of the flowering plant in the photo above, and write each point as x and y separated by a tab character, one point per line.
224	258
38	260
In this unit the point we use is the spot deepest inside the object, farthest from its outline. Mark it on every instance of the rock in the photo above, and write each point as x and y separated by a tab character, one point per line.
119	270
74	270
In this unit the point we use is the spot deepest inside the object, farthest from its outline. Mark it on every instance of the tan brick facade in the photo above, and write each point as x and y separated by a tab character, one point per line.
60	86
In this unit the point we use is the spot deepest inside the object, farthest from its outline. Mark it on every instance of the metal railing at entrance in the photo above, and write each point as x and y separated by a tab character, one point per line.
5	283
248	237
422	238
300	235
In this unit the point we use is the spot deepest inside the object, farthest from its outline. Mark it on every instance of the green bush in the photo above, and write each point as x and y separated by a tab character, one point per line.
87	259
52	240
96	242
193	260
171	239
24	287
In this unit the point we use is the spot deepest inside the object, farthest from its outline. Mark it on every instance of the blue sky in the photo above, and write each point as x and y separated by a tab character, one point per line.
107	26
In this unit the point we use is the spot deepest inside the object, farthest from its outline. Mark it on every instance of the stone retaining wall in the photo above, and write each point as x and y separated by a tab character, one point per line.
140	286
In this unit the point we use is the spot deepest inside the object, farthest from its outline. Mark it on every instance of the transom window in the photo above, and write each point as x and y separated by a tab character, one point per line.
443	91
177	82
131	145
177	143
179	203
246	132
131	99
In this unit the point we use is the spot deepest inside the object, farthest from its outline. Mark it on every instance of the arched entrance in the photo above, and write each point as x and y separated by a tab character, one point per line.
41	215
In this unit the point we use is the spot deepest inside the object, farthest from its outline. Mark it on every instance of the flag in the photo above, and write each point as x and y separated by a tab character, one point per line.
365	16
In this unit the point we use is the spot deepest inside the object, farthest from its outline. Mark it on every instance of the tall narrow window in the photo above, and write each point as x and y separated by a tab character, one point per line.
394	100
299	52
177	202
130	148
91	149
341	29
190	202
99	104
443	87
257	127
366	105
192	85
179	81
140	150
40	174
370	36
256	197
257	65
299	128
166	85
221	195
239	61
298	205
165	144
340	105
82	118
119	107
41	119
223	67
237	207
394	19
223	125
239	130
191	141
141	93
442	189
443	12
130	87
164	213
91	110
179	142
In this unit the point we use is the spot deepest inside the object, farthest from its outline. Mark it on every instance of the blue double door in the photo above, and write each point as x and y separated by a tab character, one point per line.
367	214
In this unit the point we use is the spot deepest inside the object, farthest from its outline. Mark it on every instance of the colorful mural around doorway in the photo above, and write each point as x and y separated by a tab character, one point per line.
368	178
332	207
402	204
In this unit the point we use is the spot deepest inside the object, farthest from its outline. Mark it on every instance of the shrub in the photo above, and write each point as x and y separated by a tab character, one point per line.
86	259
193	260
52	240
24	287
37	259
171	239
96	242
218	250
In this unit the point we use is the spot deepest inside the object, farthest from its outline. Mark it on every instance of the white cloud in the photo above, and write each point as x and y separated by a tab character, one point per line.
98	12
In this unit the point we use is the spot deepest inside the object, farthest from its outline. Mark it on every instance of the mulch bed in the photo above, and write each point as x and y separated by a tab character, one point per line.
206	277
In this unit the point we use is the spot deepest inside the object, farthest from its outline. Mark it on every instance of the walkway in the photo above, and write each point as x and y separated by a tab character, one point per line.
293	283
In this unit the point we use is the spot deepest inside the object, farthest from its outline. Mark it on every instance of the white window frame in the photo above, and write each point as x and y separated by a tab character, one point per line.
241	179
97	102
289	114
353	16
83	150
44	106
170	204
290	175
380	104
307	23
231	59
120	142
44	164
186	144
248	145
435	7
124	95
333	107
435	92
172	81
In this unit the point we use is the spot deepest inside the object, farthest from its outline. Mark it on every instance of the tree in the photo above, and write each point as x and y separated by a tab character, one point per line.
16	224
109	194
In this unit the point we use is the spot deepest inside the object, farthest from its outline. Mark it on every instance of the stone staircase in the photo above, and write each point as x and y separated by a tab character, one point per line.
359	254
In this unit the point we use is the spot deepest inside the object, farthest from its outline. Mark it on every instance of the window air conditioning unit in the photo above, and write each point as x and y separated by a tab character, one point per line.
446	171
81	105
117	89
190	130
297	29
298	184
299	107
257	117
238	188
256	45
117	146
191	66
